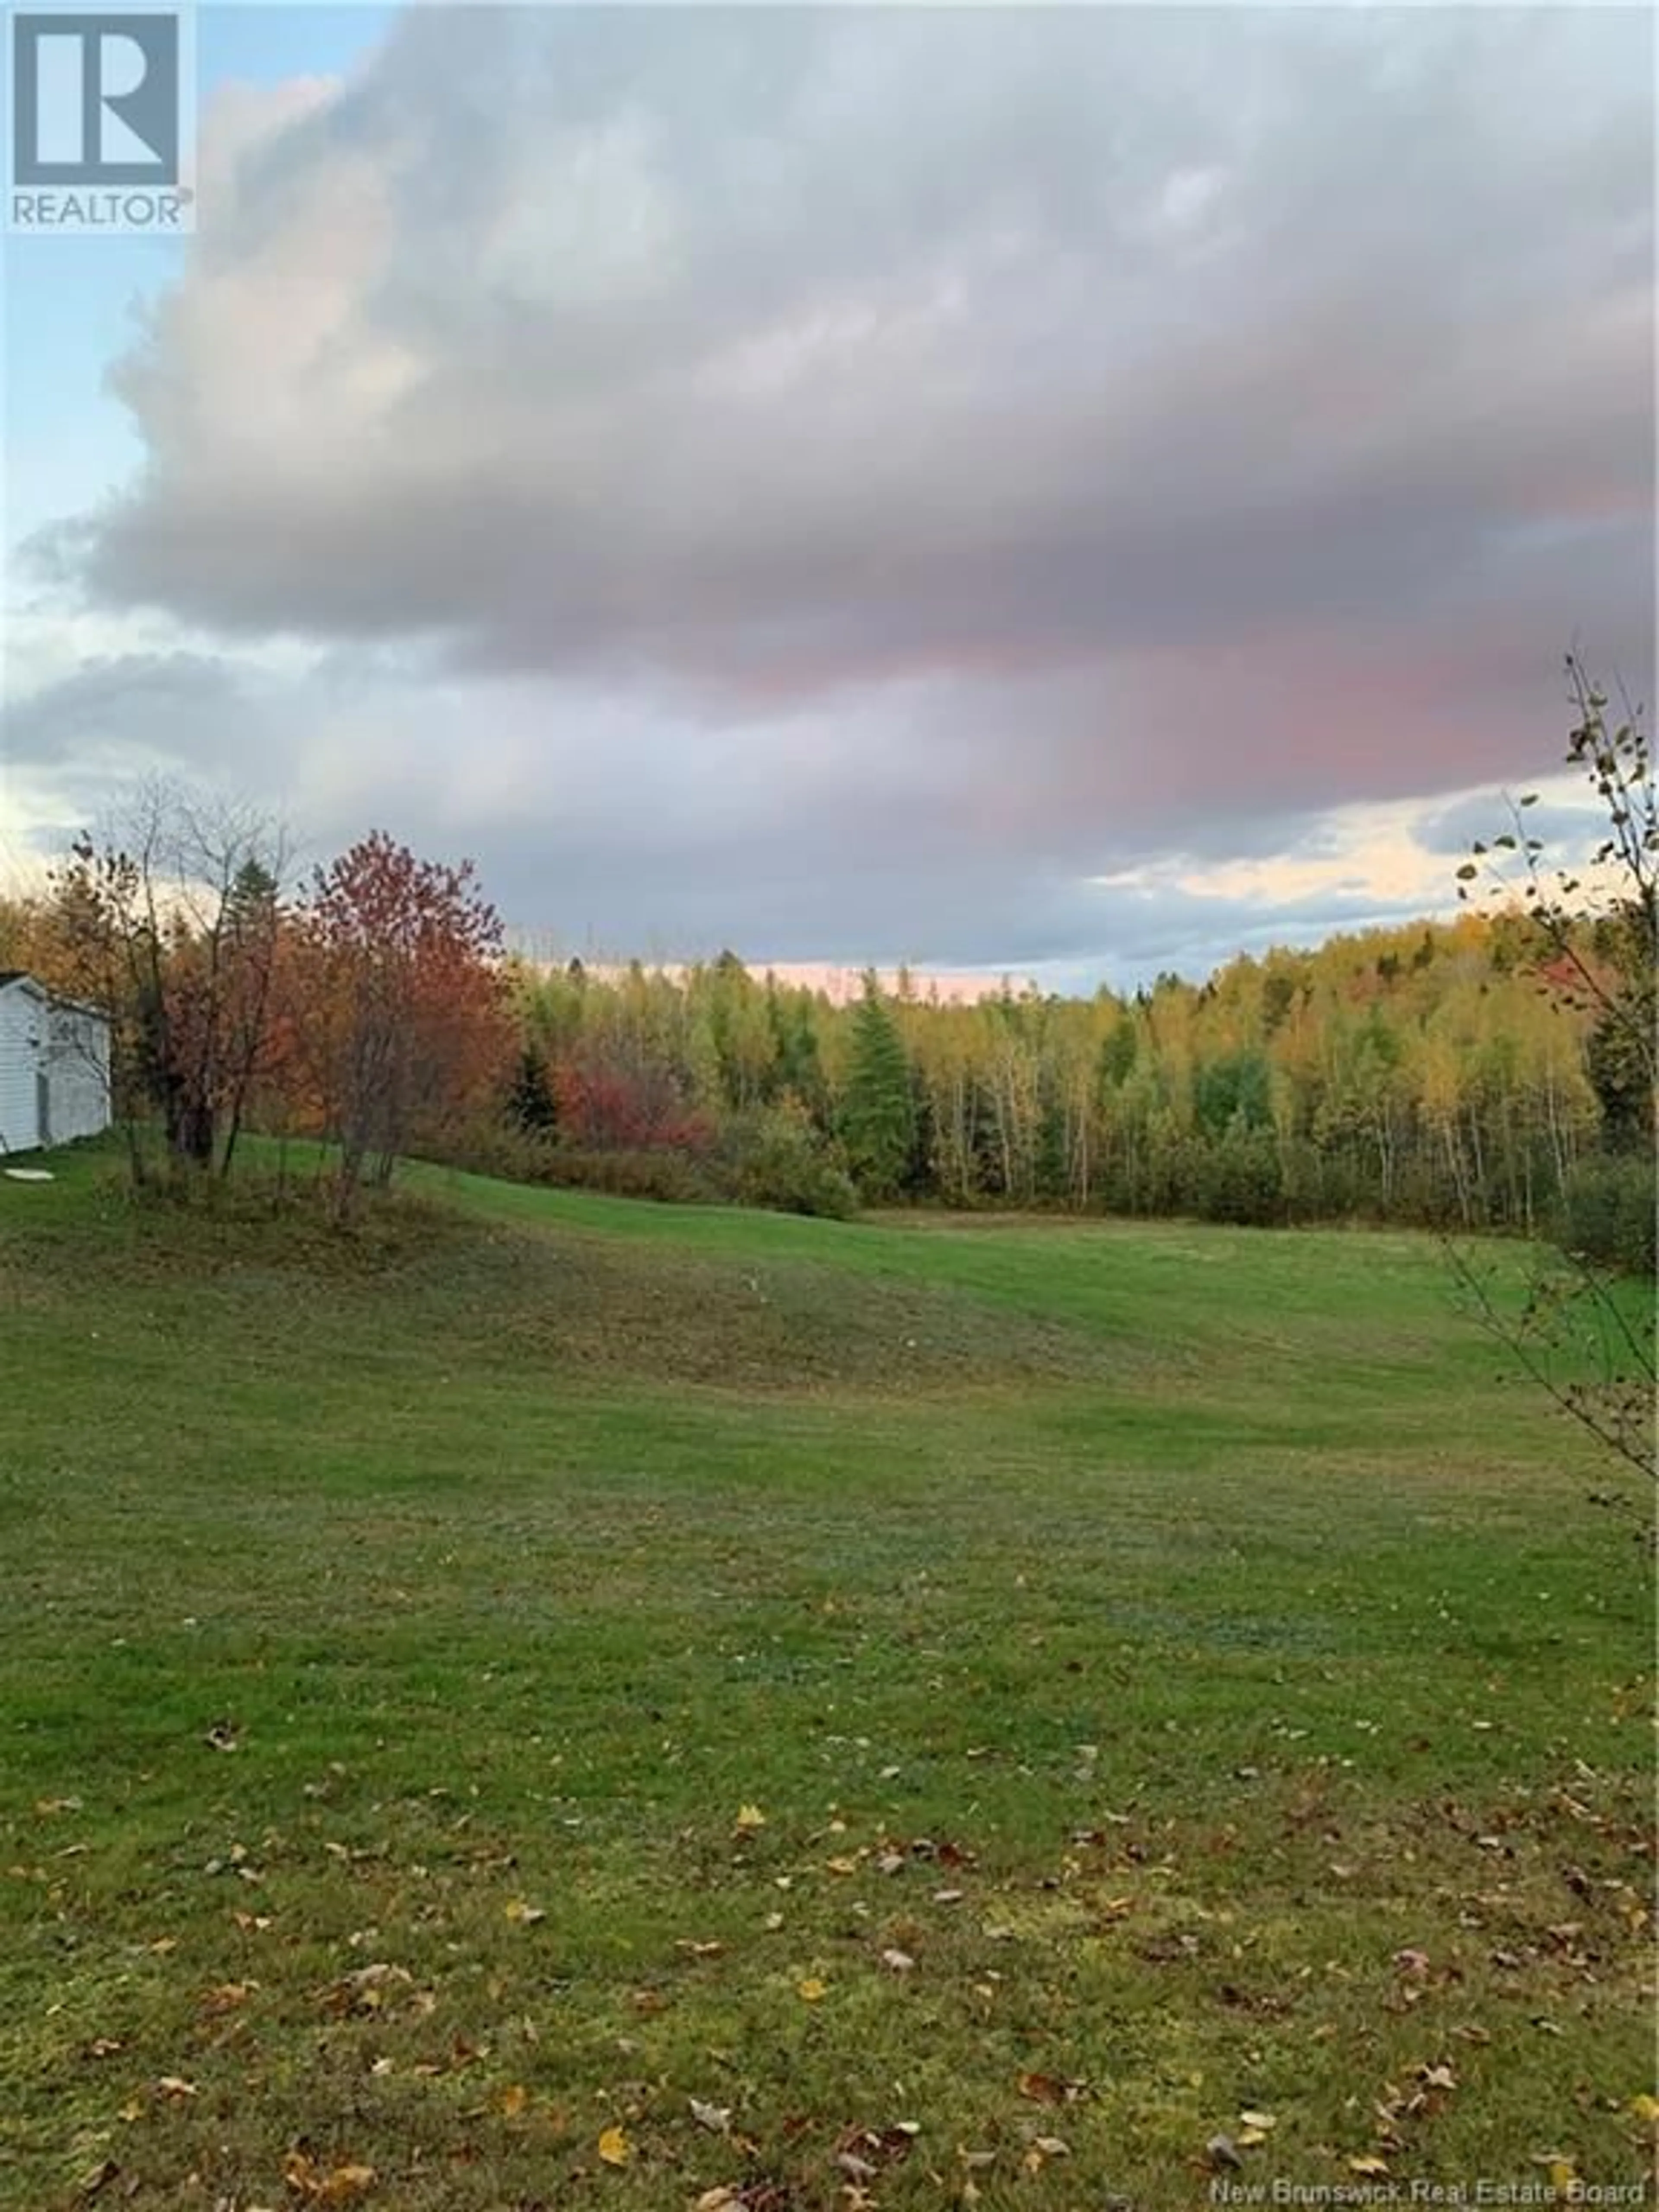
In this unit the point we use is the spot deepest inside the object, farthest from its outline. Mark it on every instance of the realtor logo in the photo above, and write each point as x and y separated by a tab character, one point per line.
98	121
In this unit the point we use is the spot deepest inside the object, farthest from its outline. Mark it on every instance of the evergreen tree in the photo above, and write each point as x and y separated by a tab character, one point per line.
877	1119
531	1105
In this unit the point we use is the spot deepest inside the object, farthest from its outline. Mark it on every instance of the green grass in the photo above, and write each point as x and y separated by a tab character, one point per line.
1183	1647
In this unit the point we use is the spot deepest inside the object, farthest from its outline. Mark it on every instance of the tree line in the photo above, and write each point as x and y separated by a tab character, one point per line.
1425	1075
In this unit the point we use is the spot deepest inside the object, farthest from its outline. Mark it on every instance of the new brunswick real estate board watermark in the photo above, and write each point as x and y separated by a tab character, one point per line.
101	112
1489	2190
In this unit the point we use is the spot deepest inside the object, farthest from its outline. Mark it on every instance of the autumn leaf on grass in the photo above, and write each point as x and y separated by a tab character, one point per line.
523	1915
1645	2109
717	2118
514	2100
326	2186
862	2152
1049	2089
615	2148
226	1996
811	1988
750	1819
344	2184
1254	2128
1378	2166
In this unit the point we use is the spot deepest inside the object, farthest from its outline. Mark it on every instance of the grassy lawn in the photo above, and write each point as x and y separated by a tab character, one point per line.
563	1703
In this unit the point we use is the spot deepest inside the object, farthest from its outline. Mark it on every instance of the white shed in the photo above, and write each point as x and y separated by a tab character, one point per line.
54	1067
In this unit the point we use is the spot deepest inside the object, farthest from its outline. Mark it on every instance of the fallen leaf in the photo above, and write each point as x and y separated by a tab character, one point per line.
342	2182
523	1915
514	2100
1645	2109
615	2148
174	2086
811	1988
1261	2120
749	1818
717	2118
325	2185
1368	2166
898	1962
1043	2088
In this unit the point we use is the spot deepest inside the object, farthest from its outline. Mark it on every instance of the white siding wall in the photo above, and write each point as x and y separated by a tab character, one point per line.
22	1026
77	1073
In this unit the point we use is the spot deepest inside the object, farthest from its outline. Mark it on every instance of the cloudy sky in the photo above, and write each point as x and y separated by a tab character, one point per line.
1077	491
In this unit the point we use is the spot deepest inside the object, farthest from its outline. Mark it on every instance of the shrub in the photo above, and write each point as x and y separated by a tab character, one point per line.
1241	1179
773	1157
1606	1212
673	1177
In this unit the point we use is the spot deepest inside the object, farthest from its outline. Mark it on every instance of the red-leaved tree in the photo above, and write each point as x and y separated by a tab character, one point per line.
402	1020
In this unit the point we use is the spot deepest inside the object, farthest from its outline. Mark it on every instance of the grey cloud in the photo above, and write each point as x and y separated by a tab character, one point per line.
784	344
171	705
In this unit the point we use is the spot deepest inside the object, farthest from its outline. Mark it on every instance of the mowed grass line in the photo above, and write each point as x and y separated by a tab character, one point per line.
1155	1718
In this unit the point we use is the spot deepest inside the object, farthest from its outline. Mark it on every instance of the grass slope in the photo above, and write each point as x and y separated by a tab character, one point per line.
1180	1680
